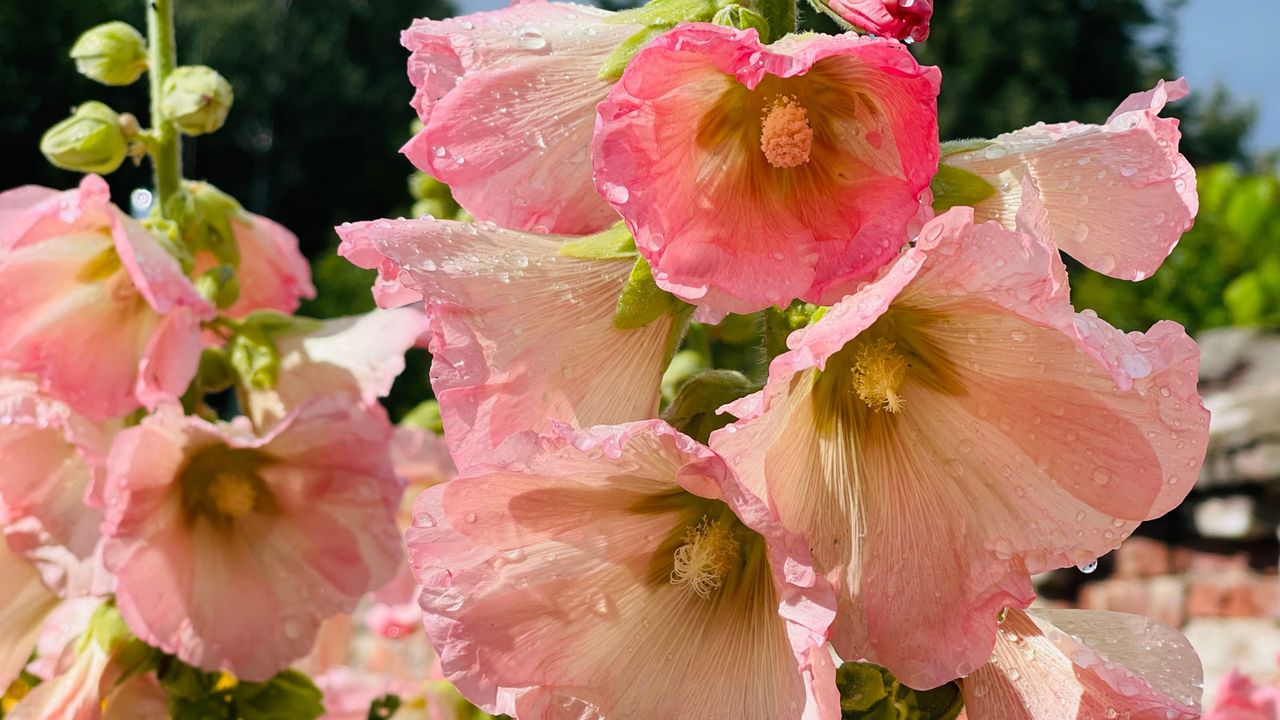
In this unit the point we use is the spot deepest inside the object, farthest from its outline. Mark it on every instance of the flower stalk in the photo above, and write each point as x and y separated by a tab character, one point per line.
166	149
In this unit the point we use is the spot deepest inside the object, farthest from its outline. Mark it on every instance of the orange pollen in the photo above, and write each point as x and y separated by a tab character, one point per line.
785	135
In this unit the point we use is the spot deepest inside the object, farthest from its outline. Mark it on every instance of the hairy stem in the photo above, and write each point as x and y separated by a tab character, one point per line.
166	155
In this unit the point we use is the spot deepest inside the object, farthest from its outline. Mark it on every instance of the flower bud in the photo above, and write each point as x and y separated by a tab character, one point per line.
737	16
112	53
90	141
206	222
196	99
219	286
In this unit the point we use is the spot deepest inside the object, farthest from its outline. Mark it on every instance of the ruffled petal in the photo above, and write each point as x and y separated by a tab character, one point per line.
678	152
901	19
1028	438
1058	664
1117	197
548	590
507	100
519	333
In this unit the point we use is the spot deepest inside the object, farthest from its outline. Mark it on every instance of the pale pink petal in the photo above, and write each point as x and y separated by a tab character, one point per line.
27	602
519	333
1116	197
1076	664
549	593
507	100
141	696
171	358
1028	438
678	153
76	694
359	355
388	292
14	207
249	596
901	19
420	457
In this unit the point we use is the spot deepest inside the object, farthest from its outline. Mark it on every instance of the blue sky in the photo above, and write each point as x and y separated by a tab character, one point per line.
1229	40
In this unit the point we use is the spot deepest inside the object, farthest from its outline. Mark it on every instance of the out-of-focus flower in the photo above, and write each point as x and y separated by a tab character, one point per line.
519	333
901	19
90	141
27	602
507	101
196	99
1056	664
953	428
91	304
1116	197
230	549
112	53
360	356
1240	698
621	571
751	174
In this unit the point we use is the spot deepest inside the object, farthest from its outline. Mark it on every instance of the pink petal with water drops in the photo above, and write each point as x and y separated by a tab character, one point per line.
1116	197
952	429
507	100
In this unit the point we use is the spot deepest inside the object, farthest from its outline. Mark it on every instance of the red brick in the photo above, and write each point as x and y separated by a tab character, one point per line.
1141	557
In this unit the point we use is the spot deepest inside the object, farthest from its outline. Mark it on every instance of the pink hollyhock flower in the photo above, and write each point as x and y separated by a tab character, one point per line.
52	455
902	19
518	332
27	602
1056	664
359	355
230	549
507	101
753	174
1116	197
272	274
1240	698
91	303
558	586
953	428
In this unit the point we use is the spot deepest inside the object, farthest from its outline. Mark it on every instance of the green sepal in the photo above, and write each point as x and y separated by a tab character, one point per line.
621	56
615	243
112	53
953	187
684	365
108	631
779	324
219	286
870	692
693	411
741	18
861	686
91	140
215	373
955	147
656	17
425	415
205	218
642	301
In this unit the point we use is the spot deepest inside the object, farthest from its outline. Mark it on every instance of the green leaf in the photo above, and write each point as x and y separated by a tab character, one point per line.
953	186
383	708
642	301
289	695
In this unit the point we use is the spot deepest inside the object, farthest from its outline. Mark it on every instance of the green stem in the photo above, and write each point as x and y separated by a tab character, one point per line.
166	155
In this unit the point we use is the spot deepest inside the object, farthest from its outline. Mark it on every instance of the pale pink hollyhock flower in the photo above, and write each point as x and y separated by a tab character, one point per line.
27	603
1059	664
229	549
359	355
953	428
754	174
1240	698
1116	197
52	455
272	274
902	19
518	332
507	101
75	694
91	304
556	587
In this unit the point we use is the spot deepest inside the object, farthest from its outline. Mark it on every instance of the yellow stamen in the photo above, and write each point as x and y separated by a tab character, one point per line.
878	372
785	136
705	558
233	494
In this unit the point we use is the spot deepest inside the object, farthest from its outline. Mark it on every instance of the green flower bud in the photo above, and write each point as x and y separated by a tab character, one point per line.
219	286
196	99
693	411
90	141
206	218
112	53
736	16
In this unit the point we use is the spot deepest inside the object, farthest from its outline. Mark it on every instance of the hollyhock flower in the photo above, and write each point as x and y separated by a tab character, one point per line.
953	428
359	355
27	602
753	174
78	693
557	586
519	333
272	274
91	304
1240	698
1055	664
52	455
230	549
902	19
507	101
1116	197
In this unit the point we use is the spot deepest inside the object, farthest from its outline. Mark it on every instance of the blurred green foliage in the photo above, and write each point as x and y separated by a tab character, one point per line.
1225	271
